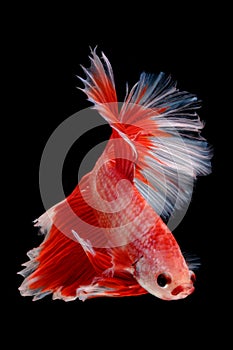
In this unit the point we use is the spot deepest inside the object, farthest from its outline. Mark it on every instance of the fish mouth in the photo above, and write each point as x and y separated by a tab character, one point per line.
182	291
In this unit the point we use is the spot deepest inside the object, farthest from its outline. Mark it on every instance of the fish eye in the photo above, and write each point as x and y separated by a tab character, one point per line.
192	276
163	279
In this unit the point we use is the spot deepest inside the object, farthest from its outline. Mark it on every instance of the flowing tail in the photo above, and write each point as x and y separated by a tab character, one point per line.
162	153
160	133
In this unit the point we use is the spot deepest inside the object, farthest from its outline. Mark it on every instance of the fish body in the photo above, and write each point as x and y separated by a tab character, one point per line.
109	236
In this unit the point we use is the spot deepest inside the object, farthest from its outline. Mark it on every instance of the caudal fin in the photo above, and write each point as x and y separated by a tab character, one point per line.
160	133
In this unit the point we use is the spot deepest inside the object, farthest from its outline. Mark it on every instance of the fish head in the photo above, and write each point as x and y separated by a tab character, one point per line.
167	281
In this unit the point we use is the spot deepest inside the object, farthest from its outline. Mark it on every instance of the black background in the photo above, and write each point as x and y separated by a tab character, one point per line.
46	52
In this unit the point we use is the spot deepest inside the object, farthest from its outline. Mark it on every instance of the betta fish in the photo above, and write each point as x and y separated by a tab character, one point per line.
110	237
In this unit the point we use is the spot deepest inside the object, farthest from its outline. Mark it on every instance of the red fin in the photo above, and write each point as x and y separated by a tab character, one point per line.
160	132
121	285
61	264
65	270
100	86
132	126
115	277
62	267
67	265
